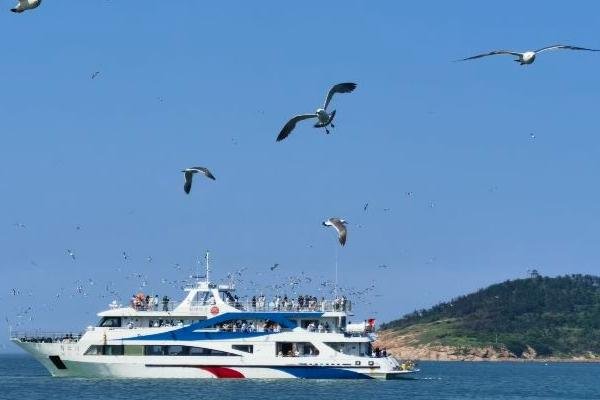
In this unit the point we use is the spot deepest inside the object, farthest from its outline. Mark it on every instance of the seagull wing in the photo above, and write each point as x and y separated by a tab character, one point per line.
17	7
492	53
23	5
341	229
345	87
205	171
188	181
291	124
339	226
563	47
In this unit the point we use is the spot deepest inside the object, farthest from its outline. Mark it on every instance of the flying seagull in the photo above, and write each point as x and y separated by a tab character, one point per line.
339	225
189	174
95	74
274	266
71	254
324	119
527	57
23	5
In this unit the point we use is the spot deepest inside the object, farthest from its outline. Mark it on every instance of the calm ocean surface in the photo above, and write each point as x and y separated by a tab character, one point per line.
22	378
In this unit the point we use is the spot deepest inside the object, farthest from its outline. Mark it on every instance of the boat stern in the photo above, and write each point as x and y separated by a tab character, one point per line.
393	369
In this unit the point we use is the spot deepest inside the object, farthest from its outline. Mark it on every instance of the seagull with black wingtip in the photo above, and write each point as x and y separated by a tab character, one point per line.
324	118
527	57
189	174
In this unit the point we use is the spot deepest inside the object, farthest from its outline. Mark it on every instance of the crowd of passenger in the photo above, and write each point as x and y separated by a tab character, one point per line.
300	303
159	323
245	326
318	327
142	302
377	352
295	353
66	338
407	365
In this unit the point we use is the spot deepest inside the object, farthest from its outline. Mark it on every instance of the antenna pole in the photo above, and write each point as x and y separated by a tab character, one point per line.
207	267
335	286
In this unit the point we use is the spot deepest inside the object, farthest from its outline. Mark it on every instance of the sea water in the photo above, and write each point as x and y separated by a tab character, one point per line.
21	378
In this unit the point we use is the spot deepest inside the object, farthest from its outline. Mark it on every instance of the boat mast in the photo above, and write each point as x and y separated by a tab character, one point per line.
335	286
207	267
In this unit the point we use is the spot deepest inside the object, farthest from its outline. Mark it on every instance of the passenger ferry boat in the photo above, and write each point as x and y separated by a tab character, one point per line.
210	334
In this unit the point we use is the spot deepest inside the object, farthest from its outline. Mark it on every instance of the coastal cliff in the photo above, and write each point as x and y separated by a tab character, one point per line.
538	318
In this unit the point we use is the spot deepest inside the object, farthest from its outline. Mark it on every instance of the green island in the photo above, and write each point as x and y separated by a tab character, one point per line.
534	318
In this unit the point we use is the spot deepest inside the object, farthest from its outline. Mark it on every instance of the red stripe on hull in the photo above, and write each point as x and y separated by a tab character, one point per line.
222	372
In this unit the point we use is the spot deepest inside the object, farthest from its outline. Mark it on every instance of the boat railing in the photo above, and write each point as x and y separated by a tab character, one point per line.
45	337
250	305
283	306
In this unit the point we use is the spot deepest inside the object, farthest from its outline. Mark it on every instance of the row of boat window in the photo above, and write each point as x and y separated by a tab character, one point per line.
282	349
172	350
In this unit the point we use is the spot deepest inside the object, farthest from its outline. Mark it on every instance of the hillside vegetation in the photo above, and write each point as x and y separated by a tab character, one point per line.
554	317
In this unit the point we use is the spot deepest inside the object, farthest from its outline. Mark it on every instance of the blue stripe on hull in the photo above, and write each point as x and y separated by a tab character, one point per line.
322	373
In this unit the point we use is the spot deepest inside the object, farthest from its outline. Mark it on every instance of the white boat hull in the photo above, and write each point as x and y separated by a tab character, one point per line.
68	364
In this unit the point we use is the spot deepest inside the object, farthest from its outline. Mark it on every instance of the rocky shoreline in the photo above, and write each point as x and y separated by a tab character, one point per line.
407	347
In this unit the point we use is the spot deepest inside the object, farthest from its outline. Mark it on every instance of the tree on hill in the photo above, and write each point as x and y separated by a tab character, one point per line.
555	316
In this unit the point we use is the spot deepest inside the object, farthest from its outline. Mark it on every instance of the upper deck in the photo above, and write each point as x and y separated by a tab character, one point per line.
209	300
206	300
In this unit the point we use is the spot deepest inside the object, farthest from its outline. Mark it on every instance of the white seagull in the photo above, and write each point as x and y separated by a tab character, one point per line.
324	118
527	57
23	5
189	174
339	225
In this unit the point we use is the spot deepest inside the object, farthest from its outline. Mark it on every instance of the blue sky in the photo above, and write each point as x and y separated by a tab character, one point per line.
212	83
